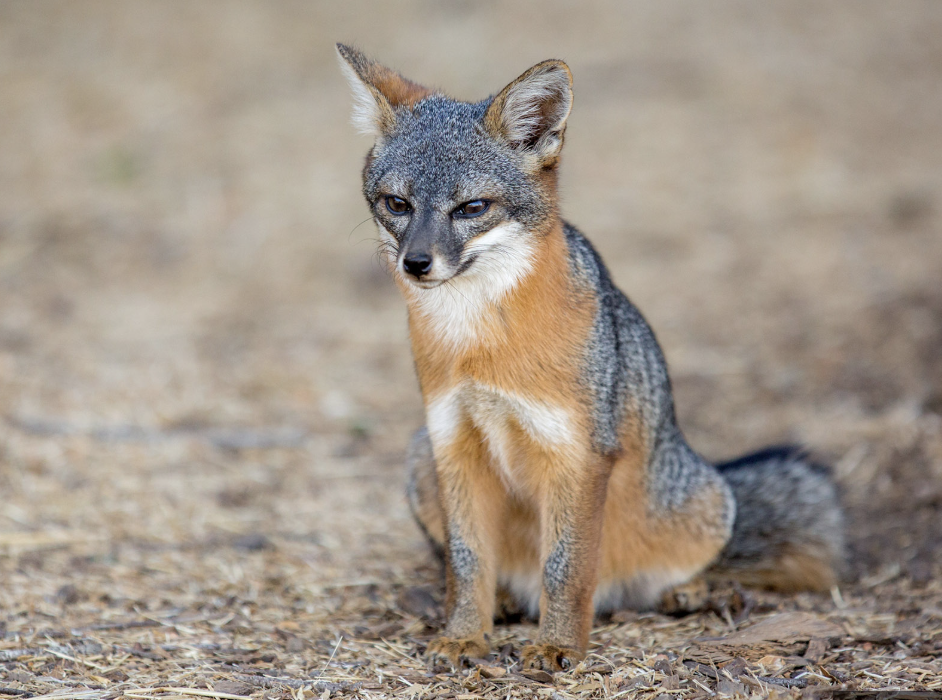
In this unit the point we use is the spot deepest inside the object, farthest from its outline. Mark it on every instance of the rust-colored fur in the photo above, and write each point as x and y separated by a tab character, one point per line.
531	348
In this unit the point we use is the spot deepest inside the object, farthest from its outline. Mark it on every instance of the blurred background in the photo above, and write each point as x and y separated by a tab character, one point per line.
205	381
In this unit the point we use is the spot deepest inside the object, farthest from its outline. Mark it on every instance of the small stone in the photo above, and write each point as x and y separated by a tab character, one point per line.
735	668
663	666
68	595
420	602
492	671
253	542
671	682
233	688
730	688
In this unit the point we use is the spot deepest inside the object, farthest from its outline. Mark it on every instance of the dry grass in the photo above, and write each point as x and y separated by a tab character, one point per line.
205	382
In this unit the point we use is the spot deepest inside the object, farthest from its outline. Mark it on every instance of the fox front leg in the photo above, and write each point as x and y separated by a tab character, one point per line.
473	504
571	532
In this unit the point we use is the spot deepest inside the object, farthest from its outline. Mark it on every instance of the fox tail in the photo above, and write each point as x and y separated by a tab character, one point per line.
788	532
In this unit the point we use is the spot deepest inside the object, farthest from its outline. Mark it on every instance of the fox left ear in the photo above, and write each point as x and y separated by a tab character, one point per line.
530	114
377	91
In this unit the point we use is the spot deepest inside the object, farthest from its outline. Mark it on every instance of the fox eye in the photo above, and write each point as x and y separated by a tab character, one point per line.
397	205
469	210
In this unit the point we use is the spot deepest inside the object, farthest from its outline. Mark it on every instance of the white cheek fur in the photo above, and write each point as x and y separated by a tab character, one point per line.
457	308
389	245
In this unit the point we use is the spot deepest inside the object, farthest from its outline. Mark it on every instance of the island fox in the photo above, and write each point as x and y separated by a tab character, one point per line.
551	466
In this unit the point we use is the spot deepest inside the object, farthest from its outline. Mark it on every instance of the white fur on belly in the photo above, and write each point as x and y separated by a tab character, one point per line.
643	592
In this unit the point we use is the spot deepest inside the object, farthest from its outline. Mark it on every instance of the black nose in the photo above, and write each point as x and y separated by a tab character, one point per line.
417	264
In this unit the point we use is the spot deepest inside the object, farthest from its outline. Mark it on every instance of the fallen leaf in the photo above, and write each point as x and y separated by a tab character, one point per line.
816	650
233	688
537	675
784	627
735	668
730	688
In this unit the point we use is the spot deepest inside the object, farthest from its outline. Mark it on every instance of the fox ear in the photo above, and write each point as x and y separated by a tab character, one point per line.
530	113
377	92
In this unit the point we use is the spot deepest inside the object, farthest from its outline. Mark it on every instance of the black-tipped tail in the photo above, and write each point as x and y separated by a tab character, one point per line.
788	532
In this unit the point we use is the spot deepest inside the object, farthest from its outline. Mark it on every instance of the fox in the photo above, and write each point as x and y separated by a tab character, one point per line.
551	470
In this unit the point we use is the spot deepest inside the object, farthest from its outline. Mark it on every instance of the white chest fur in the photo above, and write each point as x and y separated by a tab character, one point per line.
506	423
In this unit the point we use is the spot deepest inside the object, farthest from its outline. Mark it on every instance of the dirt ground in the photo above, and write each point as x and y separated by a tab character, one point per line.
205	381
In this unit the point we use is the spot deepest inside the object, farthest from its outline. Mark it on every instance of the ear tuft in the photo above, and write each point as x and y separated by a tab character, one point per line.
370	109
530	114
377	92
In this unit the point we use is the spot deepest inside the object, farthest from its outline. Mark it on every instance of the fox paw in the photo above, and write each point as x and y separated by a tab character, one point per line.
549	657
686	598
445	652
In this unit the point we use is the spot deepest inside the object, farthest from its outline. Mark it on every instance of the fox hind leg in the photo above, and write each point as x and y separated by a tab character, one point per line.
422	491
661	532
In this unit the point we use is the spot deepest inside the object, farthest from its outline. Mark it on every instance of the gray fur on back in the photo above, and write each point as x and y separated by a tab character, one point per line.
439	155
625	370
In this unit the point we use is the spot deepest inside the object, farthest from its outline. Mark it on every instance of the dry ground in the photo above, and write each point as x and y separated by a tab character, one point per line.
205	384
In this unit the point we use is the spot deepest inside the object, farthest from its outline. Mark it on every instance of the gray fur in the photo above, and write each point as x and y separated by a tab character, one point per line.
785	503
557	571
439	155
625	368
421	463
463	561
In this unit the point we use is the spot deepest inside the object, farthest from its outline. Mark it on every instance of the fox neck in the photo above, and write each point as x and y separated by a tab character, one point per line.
529	327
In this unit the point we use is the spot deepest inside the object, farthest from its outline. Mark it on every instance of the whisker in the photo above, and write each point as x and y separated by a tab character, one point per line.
450	284
371	218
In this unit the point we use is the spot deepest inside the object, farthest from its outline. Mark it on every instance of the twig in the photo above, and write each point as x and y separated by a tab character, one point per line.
316	686
73	659
189	691
332	654
14	654
69	695
109	626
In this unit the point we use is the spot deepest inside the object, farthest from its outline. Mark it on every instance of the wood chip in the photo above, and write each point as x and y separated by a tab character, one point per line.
537	675
784	627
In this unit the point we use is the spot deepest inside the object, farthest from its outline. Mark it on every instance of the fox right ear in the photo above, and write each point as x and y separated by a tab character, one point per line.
377	92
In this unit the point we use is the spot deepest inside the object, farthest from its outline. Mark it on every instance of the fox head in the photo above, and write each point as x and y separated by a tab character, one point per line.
460	191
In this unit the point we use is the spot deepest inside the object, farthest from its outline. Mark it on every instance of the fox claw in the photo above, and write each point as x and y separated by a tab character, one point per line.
445	652
549	657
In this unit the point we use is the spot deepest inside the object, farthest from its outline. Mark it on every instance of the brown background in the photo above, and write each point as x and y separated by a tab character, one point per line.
205	379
